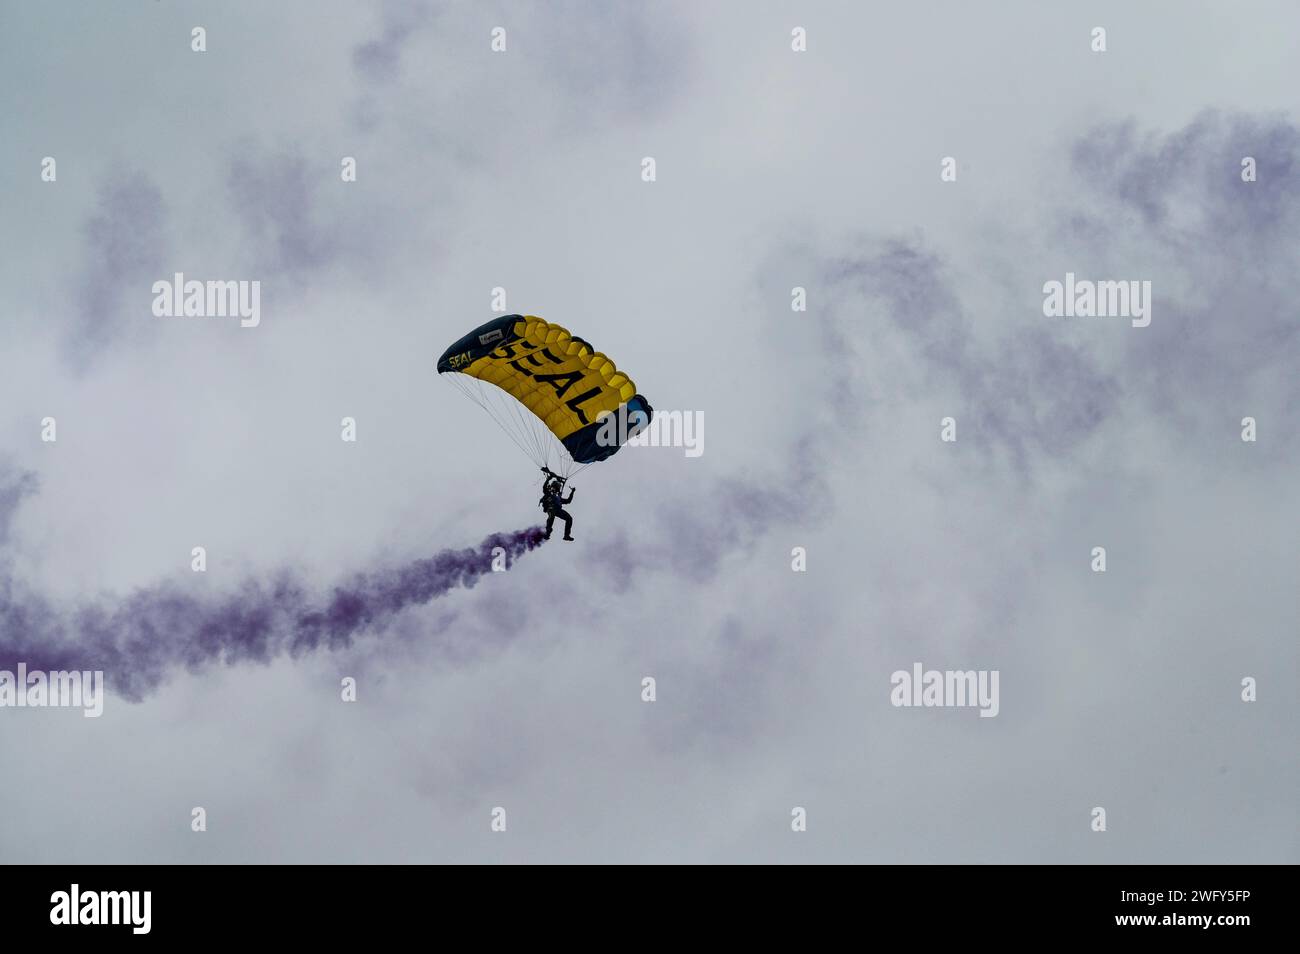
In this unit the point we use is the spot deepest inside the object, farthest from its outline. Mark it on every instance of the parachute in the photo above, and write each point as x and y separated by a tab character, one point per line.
550	391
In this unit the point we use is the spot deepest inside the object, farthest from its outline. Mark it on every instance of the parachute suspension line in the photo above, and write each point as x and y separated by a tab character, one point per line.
550	451
504	408
499	407
529	425
465	390
528	432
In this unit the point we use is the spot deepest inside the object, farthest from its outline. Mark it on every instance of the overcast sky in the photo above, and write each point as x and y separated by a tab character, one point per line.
775	169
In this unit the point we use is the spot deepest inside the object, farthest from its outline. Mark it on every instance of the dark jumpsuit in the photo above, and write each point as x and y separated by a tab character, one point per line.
551	502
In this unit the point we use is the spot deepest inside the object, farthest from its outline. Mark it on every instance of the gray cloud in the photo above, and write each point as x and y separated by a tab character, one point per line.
519	170
633	66
379	58
1155	174
124	253
14	488
277	199
1227	330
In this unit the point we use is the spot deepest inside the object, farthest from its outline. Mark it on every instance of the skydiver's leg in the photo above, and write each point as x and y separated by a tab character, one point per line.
550	522
568	523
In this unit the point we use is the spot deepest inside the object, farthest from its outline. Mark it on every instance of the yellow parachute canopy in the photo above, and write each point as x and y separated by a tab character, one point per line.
558	381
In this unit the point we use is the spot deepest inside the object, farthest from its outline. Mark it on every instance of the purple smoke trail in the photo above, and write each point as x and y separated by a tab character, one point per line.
158	628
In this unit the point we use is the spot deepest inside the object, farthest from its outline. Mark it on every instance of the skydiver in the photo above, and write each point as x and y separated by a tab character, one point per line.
552	503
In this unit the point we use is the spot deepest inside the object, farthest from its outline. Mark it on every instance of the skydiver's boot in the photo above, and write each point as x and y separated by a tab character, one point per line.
567	537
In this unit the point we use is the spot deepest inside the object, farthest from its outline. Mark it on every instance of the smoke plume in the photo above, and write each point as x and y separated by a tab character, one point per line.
138	640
